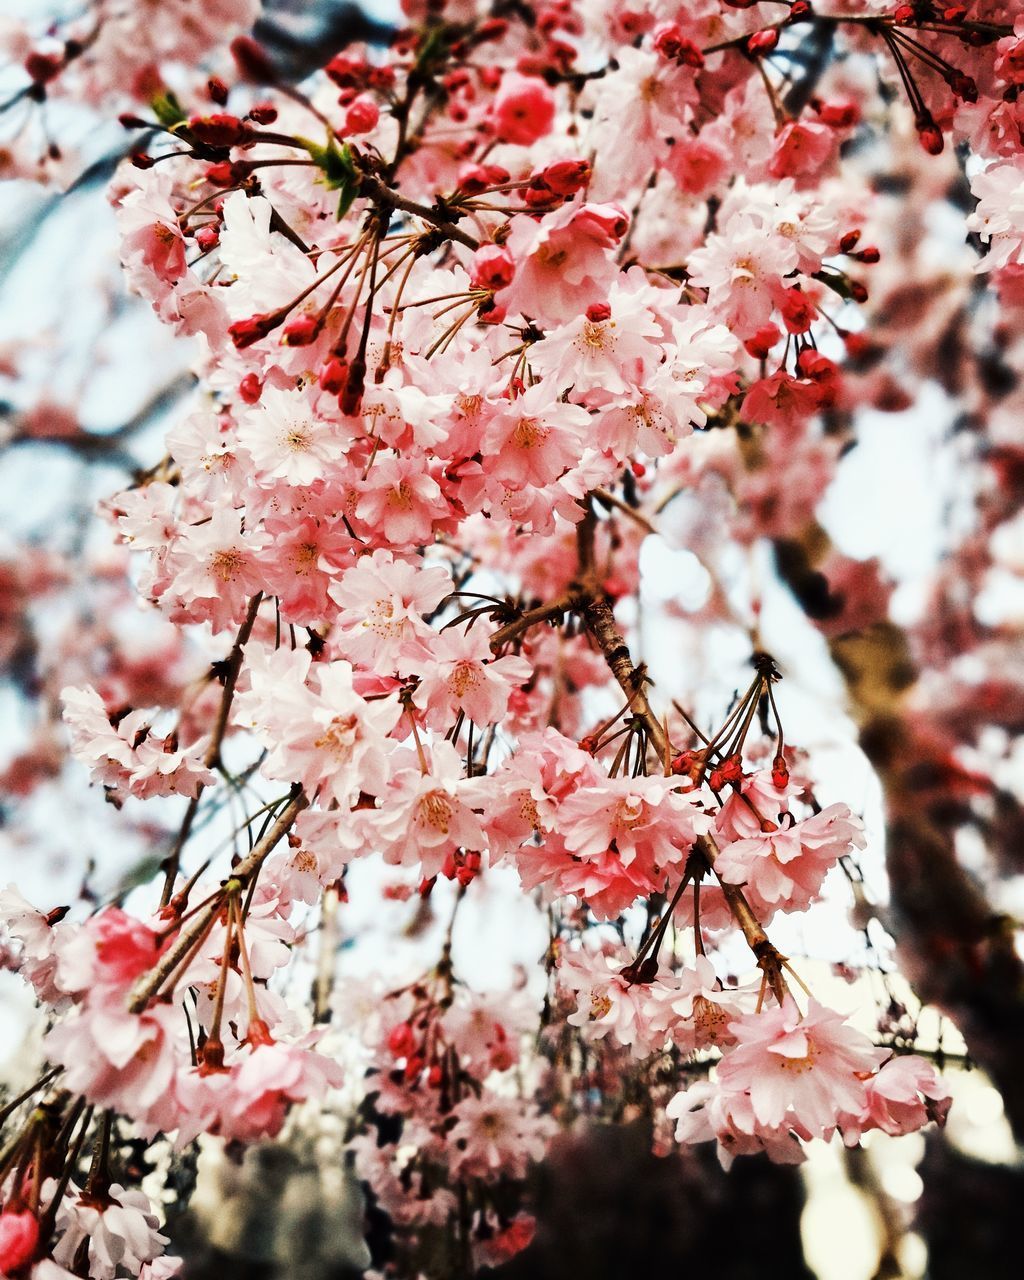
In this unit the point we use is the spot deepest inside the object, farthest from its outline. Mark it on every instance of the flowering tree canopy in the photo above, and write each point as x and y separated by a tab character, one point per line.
475	321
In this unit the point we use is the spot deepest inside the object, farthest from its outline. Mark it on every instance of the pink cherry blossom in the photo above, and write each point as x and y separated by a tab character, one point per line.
785	868
494	1136
523	109
121	1231
382	603
465	677
802	1070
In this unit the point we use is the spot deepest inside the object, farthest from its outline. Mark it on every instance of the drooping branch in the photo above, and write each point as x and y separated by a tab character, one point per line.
149	984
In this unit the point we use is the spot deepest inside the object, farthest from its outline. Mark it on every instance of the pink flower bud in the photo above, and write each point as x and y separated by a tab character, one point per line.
601	221
523	109
493	267
19	1235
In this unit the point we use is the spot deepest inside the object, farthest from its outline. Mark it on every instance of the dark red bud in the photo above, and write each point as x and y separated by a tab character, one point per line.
253	61
263	113
44	67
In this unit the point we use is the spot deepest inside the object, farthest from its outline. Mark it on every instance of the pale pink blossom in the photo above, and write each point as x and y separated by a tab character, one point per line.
999	216
382	602
534	438
425	817
494	1136
464	676
318	730
800	1070
784	869
563	263
400	502
287	439
902	1097
122	1231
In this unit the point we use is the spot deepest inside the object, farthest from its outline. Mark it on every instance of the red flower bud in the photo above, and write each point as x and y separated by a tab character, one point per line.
798	311
685	763
538	197
964	87
671	43
762	342
220	130
362	115
219	174
250	389
334	375
566	177
301	331
839	115
857	345
401	1040
930	135
19	1235
490	29
763	41
44	67
244	333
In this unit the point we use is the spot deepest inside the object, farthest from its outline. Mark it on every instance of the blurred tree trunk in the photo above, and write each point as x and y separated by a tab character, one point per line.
608	1208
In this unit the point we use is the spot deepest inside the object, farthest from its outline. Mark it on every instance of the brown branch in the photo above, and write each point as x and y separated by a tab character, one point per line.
597	614
386	197
569	603
149	983
232	668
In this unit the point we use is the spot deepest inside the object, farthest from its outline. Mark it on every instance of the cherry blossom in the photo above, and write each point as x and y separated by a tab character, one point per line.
121	1230
479	328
